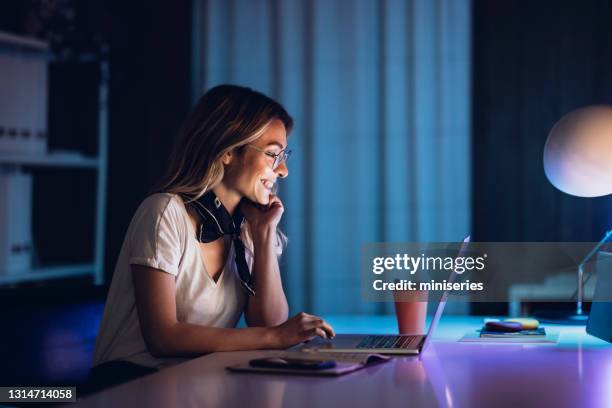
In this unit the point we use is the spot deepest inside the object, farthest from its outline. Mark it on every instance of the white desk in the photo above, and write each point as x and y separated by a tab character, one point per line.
577	372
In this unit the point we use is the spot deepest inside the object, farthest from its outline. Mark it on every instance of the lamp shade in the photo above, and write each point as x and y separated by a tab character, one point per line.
578	152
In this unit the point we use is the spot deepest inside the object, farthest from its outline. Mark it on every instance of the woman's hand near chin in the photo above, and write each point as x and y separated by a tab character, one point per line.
263	219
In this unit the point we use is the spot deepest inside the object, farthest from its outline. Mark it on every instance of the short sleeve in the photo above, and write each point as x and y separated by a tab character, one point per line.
156	234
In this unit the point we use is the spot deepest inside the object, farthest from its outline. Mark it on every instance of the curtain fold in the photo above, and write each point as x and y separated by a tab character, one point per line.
380	93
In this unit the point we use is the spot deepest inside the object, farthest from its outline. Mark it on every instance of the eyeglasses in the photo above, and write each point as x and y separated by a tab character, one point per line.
283	156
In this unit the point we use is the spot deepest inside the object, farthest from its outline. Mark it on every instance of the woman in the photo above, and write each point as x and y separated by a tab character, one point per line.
182	279
205	248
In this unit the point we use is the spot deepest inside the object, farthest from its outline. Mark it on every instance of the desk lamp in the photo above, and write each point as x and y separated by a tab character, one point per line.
578	161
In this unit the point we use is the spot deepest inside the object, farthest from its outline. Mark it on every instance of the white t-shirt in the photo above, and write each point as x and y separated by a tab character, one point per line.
162	236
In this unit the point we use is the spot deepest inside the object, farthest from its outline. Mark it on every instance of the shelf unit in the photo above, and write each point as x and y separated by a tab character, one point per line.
74	161
51	272
49	160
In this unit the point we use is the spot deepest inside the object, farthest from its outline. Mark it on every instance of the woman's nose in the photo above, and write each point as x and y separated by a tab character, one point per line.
282	170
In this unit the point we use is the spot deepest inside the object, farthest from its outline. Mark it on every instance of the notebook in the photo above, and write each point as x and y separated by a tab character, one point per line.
474	337
345	363
539	332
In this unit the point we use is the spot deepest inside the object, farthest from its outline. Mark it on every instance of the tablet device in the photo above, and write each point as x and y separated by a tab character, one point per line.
600	324
292	363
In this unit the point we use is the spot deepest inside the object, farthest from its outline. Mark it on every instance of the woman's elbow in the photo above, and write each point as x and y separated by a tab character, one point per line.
158	350
159	344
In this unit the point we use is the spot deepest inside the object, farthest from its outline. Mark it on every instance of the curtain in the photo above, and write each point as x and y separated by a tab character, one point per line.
380	94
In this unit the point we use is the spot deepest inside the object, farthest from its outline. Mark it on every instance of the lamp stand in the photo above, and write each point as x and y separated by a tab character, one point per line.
579	318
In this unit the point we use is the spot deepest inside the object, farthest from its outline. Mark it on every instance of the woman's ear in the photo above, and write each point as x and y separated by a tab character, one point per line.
227	157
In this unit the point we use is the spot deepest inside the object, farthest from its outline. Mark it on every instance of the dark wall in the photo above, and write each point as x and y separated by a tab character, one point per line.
150	92
149	98
534	61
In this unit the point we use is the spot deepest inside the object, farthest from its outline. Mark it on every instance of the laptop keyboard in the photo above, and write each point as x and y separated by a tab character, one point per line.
389	342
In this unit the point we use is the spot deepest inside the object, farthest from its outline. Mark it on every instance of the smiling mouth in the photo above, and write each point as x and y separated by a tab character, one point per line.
268	184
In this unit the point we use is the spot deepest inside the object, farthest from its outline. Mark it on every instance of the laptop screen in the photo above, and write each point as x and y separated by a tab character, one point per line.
443	298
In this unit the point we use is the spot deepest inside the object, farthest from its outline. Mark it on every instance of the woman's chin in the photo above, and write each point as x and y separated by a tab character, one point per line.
262	198
264	201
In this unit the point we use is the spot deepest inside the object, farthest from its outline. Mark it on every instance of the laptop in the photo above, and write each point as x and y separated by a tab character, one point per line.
384	344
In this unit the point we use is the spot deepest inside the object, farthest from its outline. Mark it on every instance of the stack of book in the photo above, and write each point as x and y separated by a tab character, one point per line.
540	332
517	330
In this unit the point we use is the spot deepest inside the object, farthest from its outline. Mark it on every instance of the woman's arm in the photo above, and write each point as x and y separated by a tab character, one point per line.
165	336
268	307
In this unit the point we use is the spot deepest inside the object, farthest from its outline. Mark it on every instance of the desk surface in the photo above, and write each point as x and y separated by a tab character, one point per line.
575	372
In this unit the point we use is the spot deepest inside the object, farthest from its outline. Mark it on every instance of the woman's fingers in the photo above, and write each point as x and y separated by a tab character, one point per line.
315	331
315	322
275	201
321	333
329	330
310	325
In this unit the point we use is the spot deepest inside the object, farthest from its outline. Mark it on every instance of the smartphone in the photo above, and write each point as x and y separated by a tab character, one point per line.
292	363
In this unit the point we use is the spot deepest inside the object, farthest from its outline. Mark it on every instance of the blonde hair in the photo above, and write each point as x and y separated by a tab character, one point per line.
225	118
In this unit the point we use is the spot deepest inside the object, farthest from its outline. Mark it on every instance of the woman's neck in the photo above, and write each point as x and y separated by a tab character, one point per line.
229	198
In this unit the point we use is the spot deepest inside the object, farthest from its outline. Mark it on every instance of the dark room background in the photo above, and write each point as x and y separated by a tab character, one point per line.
530	63
533	62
